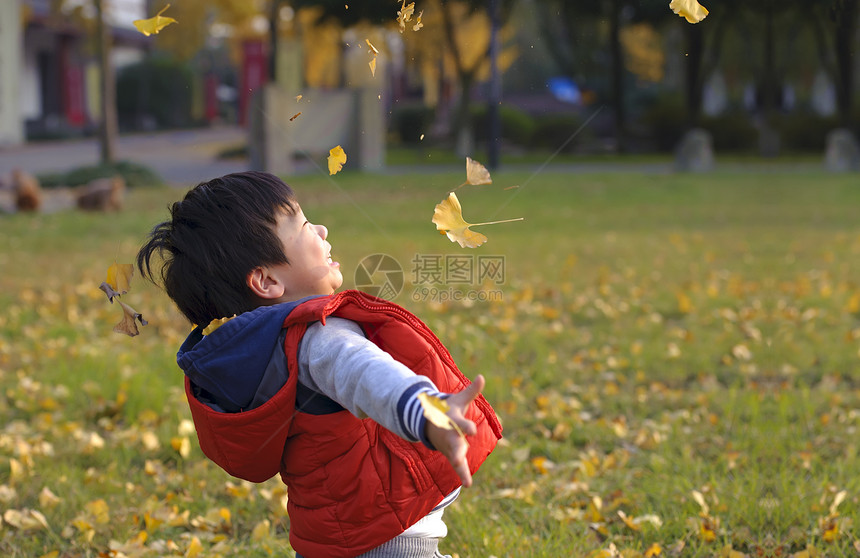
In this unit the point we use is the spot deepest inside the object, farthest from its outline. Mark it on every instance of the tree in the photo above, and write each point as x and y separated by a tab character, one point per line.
468	35
835	25
108	128
578	29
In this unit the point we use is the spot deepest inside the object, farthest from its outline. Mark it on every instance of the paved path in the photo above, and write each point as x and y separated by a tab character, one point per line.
182	158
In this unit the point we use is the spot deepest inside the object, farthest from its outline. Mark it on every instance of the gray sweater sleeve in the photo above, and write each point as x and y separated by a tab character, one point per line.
337	361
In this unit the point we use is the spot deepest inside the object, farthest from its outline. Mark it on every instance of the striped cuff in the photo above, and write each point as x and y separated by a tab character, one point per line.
411	414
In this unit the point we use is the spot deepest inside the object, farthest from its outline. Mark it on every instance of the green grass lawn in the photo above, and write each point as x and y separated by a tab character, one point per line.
672	359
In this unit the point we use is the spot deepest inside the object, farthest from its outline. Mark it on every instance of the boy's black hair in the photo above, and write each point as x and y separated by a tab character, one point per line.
220	231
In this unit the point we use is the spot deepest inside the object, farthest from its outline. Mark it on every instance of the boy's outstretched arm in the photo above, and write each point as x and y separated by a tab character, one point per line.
449	442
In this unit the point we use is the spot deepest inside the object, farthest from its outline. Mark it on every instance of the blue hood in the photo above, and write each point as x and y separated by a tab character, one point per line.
230	363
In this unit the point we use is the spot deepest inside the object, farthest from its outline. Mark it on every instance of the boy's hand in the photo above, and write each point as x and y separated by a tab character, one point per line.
449	442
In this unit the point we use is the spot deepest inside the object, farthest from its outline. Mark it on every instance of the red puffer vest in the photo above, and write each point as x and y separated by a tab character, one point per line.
353	484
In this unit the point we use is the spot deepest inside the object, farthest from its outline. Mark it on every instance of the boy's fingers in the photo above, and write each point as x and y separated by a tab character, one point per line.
474	389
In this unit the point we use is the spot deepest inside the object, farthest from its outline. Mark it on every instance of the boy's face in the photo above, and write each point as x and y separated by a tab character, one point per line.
311	270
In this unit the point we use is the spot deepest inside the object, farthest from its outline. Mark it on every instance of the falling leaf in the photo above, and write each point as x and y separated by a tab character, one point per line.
296	115
404	14
690	10
418	25
128	324
372	62
476	173
298	98
336	159
448	218
155	24
435	410
118	279
421	138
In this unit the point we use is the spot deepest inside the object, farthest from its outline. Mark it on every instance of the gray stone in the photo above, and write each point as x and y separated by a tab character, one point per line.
842	153
695	153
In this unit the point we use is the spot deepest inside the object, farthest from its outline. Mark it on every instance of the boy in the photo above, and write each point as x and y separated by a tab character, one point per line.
318	387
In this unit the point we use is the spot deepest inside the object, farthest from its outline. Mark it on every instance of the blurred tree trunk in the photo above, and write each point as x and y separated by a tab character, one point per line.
463	133
617	73
694	77
845	17
108	128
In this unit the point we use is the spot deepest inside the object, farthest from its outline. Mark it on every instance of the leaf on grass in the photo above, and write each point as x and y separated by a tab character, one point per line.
336	159
155	24
690	10
476	173
25	520
448	218
840	497
128	324
435	410
654	550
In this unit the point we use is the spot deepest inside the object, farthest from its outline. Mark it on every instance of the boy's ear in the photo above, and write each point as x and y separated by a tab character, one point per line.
265	284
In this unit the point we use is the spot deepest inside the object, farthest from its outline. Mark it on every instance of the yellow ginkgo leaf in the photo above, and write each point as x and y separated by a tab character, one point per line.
155	24
336	159
418	25
690	10
476	173
216	323
404	14
373	49
119	277
128	324
448	218
372	65
435	410
654	550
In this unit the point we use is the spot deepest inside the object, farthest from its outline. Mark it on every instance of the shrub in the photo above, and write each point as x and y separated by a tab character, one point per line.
666	121
156	89
133	173
518	126
804	131
409	120
553	130
732	131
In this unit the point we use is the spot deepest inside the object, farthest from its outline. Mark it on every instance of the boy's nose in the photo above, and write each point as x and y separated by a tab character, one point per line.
322	231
